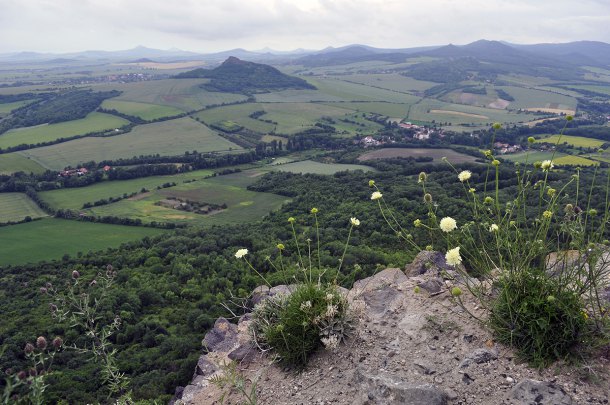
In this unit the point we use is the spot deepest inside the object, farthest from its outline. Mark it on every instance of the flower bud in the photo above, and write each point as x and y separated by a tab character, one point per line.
456	291
569	118
22	375
41	342
531	139
75	275
422	177
495	162
29	348
497	125
280	246
427	198
371	183
43	290
57	342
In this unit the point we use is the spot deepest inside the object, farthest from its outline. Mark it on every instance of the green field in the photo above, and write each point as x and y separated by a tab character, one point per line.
296	117
14	162
392	81
359	92
295	96
437	154
392	110
172	137
429	110
74	198
183	94
6	108
532	98
597	89
310	166
532	156
143	110
578	141
242	205
574	161
51	238
238	114
94	122
16	206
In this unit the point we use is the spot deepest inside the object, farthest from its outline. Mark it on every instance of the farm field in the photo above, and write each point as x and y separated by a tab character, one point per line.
94	122
538	99
14	162
242	205
578	141
143	110
571	160
310	166
172	137
532	156
51	238
183	94
437	154
295	96
16	206
429	110
239	114
597	89
295	117
392	81
393	110
359	92
74	198
6	108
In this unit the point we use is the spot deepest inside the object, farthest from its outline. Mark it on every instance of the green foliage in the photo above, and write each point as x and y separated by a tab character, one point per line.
237	76
232	379
539	316
294	327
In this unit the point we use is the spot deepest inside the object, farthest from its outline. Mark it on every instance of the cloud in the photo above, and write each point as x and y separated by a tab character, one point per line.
210	25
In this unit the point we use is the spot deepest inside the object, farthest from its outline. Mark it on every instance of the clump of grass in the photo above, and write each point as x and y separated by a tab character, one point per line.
295	326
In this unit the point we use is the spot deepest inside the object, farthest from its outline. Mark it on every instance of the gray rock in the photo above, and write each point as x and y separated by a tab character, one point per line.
384	278
426	261
281	289
479	356
532	392
384	389
244	353
222	337
204	367
378	302
433	285
259	294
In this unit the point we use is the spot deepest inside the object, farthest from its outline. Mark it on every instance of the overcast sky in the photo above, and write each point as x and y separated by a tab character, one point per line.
214	25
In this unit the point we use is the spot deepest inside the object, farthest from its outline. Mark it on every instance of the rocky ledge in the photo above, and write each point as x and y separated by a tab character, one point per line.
408	348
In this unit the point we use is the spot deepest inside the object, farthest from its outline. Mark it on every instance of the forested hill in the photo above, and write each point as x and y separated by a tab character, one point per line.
238	76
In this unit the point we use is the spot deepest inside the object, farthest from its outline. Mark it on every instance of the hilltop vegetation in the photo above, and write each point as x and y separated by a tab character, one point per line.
238	76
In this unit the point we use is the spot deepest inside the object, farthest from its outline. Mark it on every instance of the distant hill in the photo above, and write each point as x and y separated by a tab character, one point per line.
355	54
580	52
238	76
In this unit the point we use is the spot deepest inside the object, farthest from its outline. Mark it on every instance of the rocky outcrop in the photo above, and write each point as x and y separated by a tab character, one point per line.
411	346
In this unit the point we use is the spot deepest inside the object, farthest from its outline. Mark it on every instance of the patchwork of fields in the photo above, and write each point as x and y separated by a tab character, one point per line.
16	206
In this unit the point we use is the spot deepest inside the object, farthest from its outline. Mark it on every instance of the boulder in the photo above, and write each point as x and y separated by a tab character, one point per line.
222	337
539	393
387	277
425	261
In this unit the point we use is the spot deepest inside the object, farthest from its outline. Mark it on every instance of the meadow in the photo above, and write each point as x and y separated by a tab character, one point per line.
6	108
16	206
94	122
74	198
51	238
578	141
359	92
532	156
239	114
173	137
242	205
310	166
532	98
183	94
145	111
14	162
393	110
572	160
391	81
436	154
433	110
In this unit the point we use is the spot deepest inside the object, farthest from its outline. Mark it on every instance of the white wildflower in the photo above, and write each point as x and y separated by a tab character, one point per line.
376	195
305	305
547	165
464	175
355	221
331	311
493	228
453	257
241	253
448	224
331	342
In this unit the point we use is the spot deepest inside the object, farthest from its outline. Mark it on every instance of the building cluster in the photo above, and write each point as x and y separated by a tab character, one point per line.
504	148
73	172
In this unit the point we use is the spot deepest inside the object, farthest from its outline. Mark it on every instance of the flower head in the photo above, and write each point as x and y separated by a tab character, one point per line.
495	162
75	275
29	348
291	220
314	210
447	224
376	195
547	165
464	175
453	257
531	139
427	198
488	200
331	342
241	253
281	246
305	305
497	125
494	228
471	190
41	342
354	221
371	183
456	291
57	342
422	177
547	214
417	223
569	117
487	153
551	192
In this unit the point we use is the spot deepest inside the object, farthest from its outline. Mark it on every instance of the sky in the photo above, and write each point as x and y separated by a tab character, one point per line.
215	25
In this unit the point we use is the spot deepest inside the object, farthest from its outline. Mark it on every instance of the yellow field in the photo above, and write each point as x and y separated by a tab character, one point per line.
552	110
572	140
574	161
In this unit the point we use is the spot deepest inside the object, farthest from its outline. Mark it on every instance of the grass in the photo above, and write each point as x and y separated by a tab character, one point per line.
242	205
296	117
295	96
578	141
172	137
359	92
376	107
74	198
392	81
310	166
437	154
597	89
183	94
574	161
51	238
532	98
94	122
143	110
239	114
532	156
14	162
17	206
6	108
